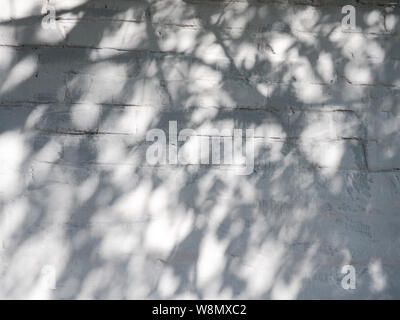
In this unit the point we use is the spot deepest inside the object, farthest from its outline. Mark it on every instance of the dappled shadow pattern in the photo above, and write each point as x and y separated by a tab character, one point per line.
78	194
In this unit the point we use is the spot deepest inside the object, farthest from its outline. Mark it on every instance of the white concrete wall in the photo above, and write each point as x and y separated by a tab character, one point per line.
84	215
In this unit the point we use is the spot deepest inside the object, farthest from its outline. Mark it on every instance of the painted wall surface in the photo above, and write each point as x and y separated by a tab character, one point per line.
86	213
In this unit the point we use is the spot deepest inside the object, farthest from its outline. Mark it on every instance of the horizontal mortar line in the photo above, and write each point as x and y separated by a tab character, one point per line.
190	79
249	79
72	46
205	27
105	19
278	109
243	136
360	139
80	132
75	46
377	84
23	103
166	54
8	104
321	3
34	102
384	170
267	167
112	164
318	167
339	138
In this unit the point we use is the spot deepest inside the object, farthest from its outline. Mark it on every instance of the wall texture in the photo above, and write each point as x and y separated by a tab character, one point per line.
84	215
